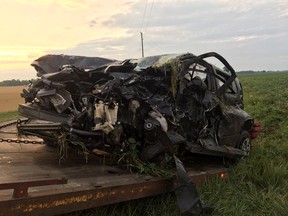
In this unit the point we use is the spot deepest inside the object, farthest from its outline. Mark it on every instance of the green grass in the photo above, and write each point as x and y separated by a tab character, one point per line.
257	185
6	116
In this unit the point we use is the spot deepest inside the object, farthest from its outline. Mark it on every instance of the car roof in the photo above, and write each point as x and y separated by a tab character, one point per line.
157	60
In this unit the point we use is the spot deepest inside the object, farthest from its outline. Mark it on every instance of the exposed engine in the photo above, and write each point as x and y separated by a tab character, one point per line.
151	100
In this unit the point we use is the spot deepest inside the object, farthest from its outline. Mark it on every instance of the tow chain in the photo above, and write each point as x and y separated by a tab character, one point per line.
10	140
25	141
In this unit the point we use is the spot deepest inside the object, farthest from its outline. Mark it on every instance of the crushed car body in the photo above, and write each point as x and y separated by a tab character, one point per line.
100	103
154	106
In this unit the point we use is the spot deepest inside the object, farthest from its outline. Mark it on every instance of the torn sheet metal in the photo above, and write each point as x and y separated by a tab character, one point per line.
54	63
192	100
186	193
102	103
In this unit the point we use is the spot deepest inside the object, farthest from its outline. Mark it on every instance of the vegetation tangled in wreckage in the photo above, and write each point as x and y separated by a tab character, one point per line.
129	157
174	67
256	185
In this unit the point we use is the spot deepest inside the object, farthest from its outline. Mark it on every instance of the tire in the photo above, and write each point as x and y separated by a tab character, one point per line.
244	142
151	152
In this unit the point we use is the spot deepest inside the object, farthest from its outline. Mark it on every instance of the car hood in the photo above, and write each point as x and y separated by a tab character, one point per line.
53	63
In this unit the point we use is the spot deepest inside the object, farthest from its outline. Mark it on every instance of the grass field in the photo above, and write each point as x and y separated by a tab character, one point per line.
257	185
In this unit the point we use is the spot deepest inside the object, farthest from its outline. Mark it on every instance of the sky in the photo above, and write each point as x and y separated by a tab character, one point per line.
250	34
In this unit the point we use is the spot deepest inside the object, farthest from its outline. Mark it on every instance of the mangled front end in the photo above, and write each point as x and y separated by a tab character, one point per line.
155	106
103	107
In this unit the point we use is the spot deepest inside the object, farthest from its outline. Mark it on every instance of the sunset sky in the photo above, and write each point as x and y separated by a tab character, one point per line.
250	34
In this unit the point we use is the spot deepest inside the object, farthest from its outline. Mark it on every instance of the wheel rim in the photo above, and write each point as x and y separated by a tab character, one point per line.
246	145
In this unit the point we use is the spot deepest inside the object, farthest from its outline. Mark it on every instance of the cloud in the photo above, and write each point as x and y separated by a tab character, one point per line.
74	4
115	48
12	57
66	4
233	28
247	32
92	23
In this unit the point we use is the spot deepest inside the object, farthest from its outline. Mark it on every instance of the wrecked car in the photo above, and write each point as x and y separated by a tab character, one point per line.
173	102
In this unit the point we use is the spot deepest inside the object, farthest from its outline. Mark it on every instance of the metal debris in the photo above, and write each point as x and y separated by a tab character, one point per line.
168	103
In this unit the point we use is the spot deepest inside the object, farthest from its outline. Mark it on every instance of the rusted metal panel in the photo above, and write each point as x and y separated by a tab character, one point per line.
79	198
89	185
20	189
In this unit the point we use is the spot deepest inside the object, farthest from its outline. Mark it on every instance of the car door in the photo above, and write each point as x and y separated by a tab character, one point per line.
233	95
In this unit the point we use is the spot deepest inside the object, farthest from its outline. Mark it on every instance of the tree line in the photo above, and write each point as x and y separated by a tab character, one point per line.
15	82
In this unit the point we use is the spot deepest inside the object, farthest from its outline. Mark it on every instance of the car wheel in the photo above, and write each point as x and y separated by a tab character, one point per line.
245	142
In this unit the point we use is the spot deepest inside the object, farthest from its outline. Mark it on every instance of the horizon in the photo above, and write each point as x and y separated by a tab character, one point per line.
250	35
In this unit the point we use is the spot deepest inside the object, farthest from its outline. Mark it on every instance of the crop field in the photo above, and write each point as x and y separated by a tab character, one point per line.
257	185
10	98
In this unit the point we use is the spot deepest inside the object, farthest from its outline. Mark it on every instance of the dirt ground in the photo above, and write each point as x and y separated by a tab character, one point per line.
10	98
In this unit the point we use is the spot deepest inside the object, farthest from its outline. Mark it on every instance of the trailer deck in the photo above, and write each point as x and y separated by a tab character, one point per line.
33	182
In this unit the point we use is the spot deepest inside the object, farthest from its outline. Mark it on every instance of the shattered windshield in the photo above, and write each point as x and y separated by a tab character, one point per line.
155	61
196	70
173	107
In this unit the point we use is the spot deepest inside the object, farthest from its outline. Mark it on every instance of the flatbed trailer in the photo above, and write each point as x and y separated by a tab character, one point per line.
33	182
